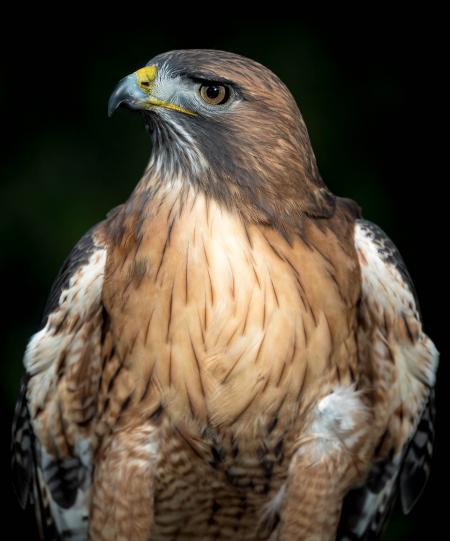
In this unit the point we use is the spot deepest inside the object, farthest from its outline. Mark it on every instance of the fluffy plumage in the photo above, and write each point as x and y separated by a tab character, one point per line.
233	353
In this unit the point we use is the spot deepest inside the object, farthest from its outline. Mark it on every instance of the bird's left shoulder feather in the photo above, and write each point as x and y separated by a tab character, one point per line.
399	363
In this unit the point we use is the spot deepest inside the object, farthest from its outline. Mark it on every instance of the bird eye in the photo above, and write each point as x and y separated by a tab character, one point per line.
214	94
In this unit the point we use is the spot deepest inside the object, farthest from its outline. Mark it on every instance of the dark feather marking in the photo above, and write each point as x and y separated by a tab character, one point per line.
336	283
385	324
247	313
274	250
232	335
252	263
186	439
186	277
87	421
329	332
191	405
260	348
205	315
294	347
197	364
58	328
207	211
148	326
390	354
169	319
61	364
408	329
302	386
182	201
274	292
125	404
272	424
325	257
148	382
63	428
352	373
163	253
247	234
156	414
113	380
245	408
305	334
205	253
233	293
218	456
169	214
230	370
280	377
338	373
264	309
170	365
211	289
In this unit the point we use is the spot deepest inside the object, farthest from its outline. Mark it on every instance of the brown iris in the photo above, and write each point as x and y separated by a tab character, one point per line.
214	94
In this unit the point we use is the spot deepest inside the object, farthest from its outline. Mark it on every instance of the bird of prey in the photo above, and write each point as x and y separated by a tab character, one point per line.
233	353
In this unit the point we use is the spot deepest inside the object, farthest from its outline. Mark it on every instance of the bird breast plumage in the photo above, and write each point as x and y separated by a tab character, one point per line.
221	321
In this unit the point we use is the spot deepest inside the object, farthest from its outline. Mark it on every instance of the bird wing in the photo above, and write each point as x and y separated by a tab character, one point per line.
398	362
51	440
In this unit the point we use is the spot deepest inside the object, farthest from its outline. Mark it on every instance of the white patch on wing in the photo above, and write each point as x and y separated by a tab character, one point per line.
389	295
73	521
402	363
76	301
382	281
339	421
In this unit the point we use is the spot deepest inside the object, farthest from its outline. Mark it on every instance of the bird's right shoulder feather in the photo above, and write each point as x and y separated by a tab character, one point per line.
51	441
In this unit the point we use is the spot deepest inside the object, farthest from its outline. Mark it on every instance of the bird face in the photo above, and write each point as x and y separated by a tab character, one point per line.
152	88
229	126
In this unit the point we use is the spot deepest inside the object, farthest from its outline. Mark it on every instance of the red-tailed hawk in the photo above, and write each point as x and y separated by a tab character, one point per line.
233	353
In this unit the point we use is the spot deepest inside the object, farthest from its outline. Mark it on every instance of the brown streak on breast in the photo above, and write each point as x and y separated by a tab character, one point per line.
244	327
274	292
169	319
247	234
186	276
148	325
245	408
280	377
232	367
259	348
163	253
197	364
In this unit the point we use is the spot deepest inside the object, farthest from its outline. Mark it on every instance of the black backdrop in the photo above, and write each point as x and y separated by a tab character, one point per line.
370	87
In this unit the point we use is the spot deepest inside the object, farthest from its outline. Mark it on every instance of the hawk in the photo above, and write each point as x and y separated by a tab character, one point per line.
233	353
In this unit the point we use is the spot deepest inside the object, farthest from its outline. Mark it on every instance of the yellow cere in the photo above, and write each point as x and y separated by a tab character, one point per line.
145	78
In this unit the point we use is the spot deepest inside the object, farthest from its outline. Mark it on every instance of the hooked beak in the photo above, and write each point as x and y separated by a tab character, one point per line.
136	91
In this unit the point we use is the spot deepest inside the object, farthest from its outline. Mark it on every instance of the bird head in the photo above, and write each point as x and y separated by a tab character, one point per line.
229	126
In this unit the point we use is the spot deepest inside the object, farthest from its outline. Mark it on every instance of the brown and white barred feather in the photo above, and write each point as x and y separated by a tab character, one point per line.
399	362
50	450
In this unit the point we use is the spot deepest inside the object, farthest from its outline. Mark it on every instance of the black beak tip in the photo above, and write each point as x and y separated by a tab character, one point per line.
113	104
119	96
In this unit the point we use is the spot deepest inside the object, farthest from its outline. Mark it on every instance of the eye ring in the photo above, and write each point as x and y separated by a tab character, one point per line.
214	93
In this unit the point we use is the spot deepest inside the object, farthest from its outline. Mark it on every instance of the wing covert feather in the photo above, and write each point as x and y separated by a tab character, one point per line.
399	363
50	444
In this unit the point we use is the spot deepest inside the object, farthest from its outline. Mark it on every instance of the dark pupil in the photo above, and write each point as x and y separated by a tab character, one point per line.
212	92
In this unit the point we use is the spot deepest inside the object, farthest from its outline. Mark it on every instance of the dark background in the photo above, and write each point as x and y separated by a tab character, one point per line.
369	86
